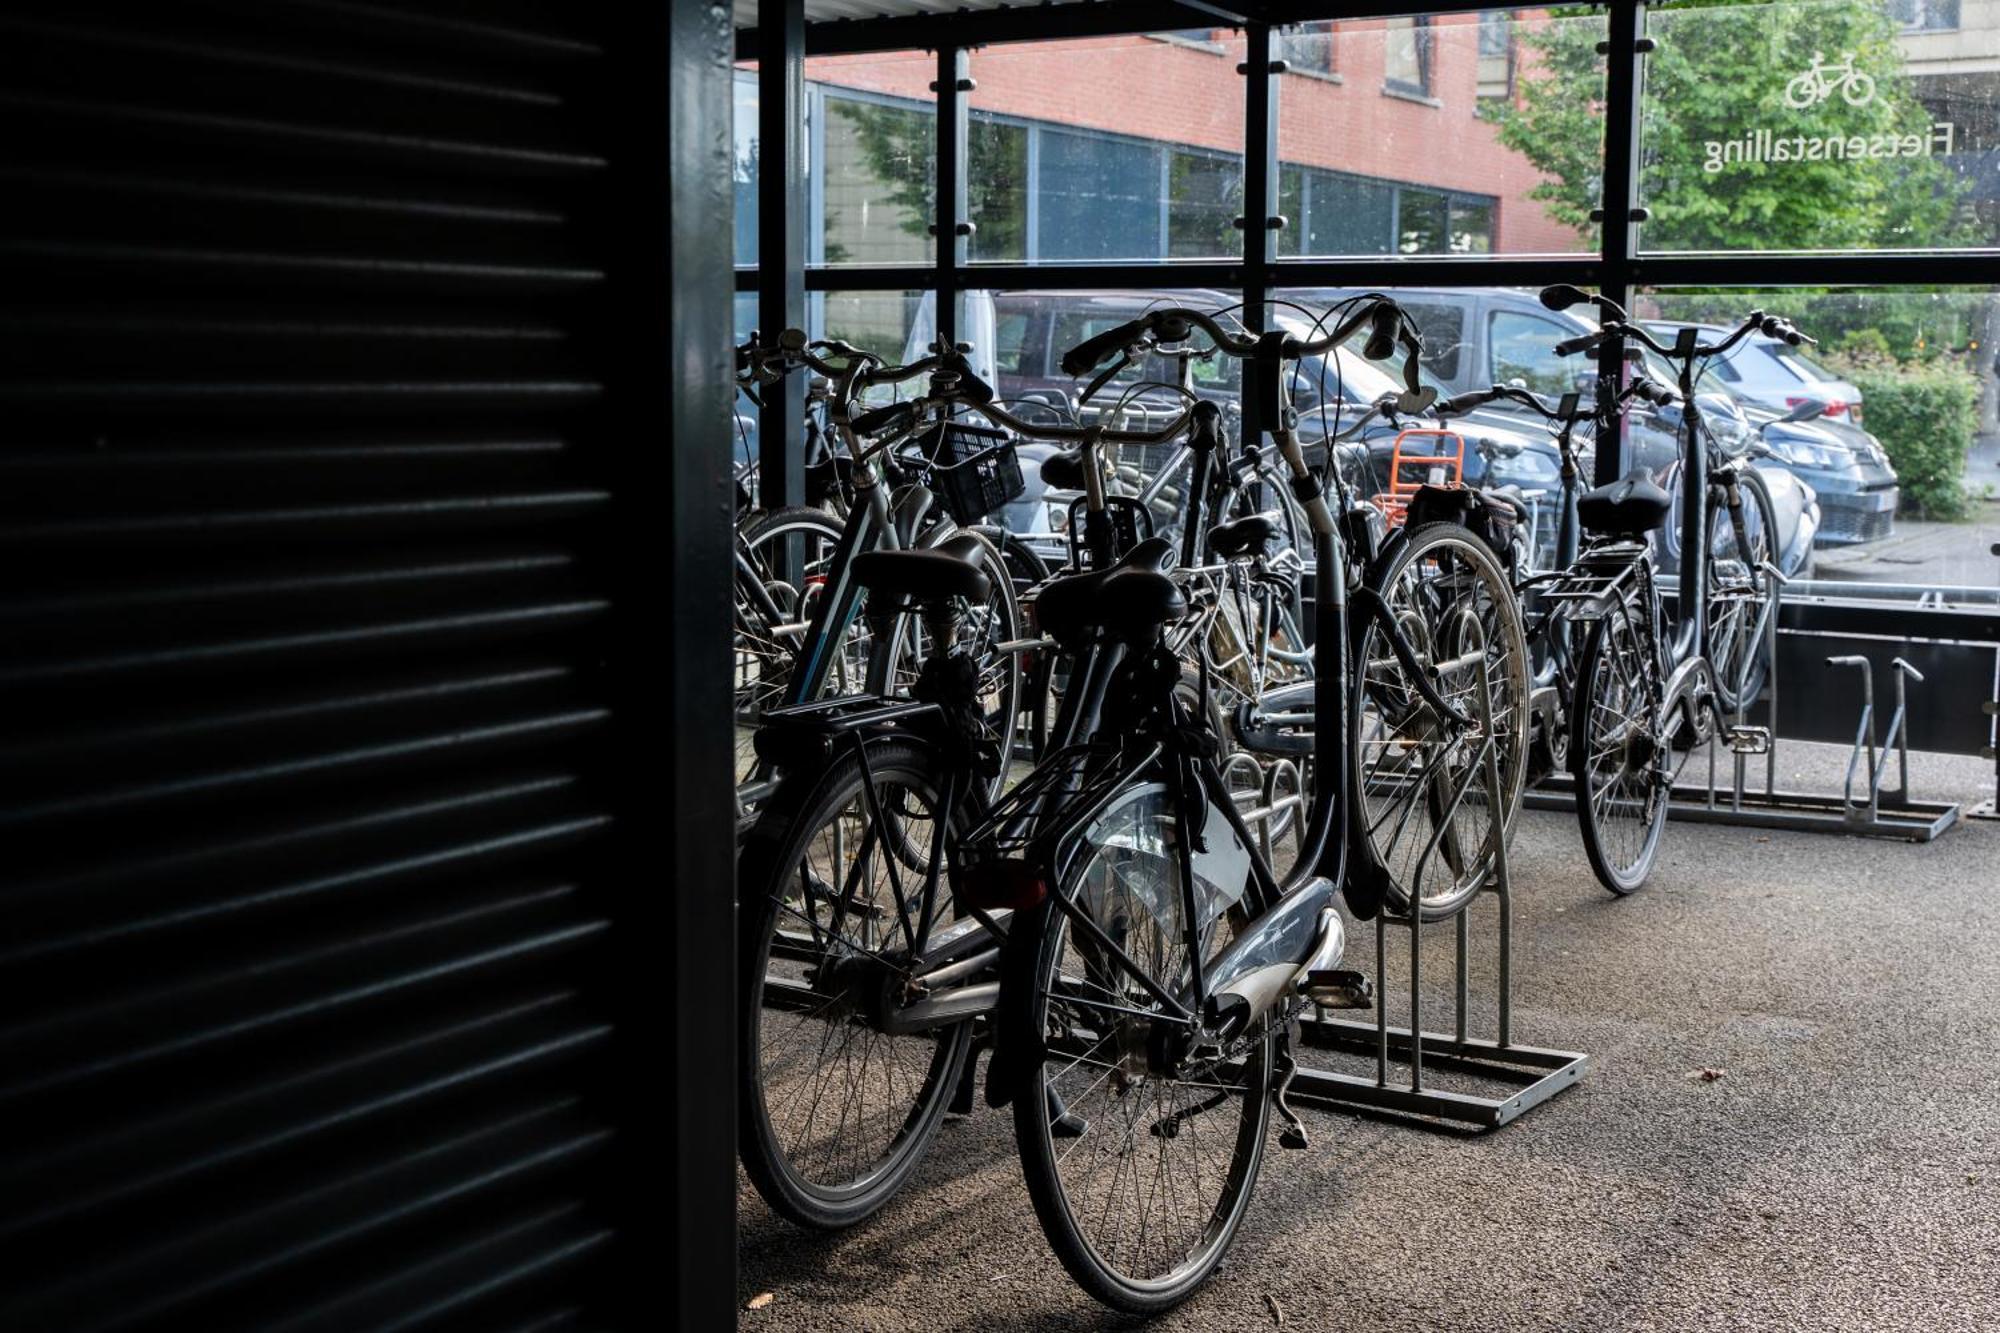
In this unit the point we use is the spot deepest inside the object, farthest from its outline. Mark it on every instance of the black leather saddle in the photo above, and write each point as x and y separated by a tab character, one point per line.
1131	599
1628	507
1064	471
949	569
1249	535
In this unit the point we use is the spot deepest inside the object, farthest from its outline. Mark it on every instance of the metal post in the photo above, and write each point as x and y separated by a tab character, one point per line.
1260	193
952	226
672	753
1619	212
781	241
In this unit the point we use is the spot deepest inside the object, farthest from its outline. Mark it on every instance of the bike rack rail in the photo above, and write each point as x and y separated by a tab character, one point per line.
1536	1073
1892	815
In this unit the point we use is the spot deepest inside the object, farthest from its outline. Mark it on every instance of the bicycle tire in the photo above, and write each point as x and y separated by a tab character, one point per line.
1389	724
1618	687
805	804
1039	1017
1744	620
771	656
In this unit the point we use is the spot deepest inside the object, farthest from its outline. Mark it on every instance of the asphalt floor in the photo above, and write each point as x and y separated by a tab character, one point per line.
1791	1120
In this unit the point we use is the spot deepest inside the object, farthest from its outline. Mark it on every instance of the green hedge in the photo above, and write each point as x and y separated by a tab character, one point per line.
1925	415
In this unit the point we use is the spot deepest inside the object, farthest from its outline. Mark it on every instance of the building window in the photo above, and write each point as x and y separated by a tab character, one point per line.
1925	15
1407	68
1307	48
1496	55
1097	197
1204	195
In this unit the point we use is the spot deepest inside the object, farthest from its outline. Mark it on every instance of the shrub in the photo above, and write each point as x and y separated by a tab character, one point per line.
1925	415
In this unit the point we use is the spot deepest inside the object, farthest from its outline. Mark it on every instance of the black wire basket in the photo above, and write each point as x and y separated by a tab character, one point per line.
974	470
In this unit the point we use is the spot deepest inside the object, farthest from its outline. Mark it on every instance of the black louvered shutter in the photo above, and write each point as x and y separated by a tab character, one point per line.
303	889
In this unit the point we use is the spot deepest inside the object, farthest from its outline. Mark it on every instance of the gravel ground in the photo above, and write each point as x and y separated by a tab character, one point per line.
1841	1172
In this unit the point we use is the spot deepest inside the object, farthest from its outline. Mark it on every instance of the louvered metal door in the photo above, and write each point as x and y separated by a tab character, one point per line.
303	885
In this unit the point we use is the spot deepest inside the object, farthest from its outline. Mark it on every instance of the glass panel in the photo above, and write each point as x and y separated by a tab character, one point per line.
1107	148
871	159
1097	197
997	186
885	323
743	164
1834	125
1423	145
1882	434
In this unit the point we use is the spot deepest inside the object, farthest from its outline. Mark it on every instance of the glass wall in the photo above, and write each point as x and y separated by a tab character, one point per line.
1879	427
1117	148
1450	134
1833	125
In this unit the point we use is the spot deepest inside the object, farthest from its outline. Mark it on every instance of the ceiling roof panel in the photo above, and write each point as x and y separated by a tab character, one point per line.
820	11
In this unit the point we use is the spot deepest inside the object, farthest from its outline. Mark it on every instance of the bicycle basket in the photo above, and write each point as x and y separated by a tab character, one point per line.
974	470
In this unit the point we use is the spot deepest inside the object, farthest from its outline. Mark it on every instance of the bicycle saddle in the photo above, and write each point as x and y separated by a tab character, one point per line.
1131	599
949	569
1064	470
1248	535
1628	507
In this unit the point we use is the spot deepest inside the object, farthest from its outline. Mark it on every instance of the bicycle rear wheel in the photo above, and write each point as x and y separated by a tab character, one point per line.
835	1113
1421	787
789	552
1140	1150
1618	757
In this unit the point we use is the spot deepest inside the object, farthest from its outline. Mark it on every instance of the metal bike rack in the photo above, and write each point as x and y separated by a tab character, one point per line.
1536	1073
1990	807
1898	816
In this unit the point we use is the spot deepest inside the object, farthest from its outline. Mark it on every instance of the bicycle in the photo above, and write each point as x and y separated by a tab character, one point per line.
1643	689
817	637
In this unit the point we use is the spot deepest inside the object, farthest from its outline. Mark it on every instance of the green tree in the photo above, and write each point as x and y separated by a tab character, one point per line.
1719	72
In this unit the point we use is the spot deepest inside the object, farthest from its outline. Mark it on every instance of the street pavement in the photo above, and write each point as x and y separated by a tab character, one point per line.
1956	554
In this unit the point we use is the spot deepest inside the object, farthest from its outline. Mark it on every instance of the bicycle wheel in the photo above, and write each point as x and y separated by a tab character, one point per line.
1736	623
1618	756
834	1113
1140	1149
1421	788
788	552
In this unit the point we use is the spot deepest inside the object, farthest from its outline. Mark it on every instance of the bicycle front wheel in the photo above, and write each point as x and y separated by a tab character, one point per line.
1741	594
834	1112
1618	755
1421	785
1140	1147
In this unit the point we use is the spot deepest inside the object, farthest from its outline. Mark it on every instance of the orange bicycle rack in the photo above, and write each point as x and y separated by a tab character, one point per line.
1411	470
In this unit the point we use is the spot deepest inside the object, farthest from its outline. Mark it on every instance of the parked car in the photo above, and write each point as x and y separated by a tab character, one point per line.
1032	330
1476	338
1811	419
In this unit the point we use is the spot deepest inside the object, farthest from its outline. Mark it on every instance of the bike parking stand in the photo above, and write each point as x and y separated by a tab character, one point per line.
1883	814
1407	1058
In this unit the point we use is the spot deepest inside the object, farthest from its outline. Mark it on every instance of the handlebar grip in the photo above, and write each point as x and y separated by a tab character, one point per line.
1568	346
1464	402
973	388
1091	353
875	419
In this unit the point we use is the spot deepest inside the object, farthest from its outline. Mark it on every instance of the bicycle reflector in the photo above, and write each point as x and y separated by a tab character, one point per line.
1005	882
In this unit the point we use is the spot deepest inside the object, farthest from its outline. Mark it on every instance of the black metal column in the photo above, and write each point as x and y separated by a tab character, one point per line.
694	890
953	225
1260	189
1618	209
781	241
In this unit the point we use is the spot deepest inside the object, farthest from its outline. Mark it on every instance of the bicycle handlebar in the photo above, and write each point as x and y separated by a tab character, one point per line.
1176	323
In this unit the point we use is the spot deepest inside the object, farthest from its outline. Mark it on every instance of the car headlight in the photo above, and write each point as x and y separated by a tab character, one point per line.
1806	454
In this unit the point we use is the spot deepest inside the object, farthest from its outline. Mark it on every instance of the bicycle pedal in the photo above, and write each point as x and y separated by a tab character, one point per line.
1339	989
1747	740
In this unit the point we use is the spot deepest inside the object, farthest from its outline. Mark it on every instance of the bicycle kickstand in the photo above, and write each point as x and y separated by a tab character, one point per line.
1294	1133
